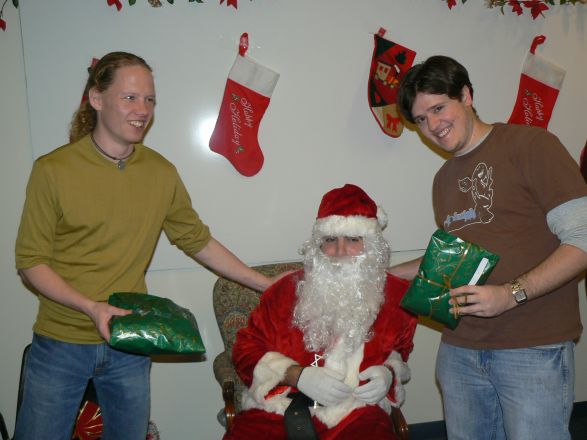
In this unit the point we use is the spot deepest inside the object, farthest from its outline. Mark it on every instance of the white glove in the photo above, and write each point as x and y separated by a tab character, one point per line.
323	385
380	379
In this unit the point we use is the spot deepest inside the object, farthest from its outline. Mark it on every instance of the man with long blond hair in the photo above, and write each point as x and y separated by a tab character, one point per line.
94	211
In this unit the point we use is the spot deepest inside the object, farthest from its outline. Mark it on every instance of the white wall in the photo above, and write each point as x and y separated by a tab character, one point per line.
317	133
18	306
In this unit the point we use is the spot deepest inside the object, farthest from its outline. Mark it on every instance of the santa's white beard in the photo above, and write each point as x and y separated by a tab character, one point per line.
340	297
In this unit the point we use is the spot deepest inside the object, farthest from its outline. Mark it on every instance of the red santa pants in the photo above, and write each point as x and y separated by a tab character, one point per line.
369	422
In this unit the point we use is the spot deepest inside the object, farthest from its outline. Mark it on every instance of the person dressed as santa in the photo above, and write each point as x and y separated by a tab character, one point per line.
331	336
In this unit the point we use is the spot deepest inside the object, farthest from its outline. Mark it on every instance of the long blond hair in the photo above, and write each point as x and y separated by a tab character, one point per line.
101	76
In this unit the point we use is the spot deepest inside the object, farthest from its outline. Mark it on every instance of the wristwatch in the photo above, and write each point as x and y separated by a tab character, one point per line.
518	292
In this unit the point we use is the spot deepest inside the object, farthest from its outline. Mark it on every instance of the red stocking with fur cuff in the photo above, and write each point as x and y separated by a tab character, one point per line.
246	97
540	83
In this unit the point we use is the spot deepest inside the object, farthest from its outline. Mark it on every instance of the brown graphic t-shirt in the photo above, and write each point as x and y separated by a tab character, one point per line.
497	196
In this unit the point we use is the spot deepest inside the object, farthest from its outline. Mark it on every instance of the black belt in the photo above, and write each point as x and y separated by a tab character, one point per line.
298	420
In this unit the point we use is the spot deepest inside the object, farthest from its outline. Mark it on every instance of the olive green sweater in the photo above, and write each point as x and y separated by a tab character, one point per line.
97	227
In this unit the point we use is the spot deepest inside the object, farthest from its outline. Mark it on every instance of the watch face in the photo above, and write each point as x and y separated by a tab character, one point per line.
520	296
519	293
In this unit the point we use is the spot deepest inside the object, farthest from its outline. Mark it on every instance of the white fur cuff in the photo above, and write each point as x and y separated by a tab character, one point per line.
402	375
268	373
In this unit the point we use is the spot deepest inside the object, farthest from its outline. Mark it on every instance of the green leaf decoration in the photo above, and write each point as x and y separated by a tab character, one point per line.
15	3
170	1
132	2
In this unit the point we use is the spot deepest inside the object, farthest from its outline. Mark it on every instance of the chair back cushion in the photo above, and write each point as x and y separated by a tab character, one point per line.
233	304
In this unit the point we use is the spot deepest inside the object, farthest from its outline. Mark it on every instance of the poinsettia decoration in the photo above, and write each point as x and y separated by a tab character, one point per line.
2	21
230	3
536	7
159	3
118	5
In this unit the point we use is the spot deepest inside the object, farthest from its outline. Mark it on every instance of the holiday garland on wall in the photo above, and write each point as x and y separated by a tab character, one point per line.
154	3
536	7
118	5
159	3
2	22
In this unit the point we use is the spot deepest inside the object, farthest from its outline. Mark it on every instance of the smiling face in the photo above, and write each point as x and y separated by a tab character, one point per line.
125	108
448	123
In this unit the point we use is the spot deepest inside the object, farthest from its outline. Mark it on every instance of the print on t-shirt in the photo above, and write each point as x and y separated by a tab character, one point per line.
480	187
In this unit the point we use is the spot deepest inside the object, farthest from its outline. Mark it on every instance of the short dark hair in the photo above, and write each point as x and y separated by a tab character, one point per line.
438	75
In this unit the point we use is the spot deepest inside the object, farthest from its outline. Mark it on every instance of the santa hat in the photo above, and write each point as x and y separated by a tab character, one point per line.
349	211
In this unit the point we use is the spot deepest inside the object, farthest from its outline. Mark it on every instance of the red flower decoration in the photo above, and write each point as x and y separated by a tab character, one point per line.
536	7
116	3
2	24
516	7
230	3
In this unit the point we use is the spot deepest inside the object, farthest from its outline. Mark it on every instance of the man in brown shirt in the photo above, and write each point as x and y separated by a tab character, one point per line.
507	370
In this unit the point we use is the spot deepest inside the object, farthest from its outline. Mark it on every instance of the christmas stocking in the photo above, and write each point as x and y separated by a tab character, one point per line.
540	83
389	64
246	97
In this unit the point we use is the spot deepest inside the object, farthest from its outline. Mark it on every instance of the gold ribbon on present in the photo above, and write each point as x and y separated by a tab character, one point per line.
446	284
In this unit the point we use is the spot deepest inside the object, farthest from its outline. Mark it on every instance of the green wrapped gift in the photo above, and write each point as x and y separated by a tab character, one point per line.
448	262
156	326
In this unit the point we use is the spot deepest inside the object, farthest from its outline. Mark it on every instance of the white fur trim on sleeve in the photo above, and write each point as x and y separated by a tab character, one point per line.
268	373
399	367
402	374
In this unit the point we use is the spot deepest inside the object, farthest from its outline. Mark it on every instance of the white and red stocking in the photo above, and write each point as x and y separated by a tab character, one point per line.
246	97
389	64
540	83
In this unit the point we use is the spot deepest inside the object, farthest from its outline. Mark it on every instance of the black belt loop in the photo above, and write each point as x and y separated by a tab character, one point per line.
298	420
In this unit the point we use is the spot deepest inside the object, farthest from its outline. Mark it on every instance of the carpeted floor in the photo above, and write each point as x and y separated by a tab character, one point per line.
437	431
578	425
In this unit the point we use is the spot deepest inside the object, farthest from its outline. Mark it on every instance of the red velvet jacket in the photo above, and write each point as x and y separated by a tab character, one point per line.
270	343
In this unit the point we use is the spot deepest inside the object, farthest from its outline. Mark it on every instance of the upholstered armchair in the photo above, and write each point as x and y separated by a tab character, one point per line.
232	305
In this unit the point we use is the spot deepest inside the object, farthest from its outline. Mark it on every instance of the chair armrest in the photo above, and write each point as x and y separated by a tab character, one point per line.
399	423
223	368
228	396
226	377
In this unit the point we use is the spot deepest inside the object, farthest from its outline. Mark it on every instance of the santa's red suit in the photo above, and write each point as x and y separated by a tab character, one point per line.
271	343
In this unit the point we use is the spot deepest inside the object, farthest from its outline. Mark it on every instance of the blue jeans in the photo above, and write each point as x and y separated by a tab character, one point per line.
517	394
56	376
